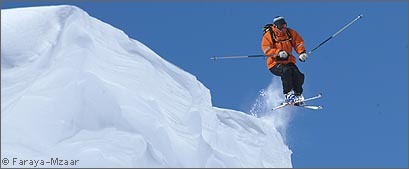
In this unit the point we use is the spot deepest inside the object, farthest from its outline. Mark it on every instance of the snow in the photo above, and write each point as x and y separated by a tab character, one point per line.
76	88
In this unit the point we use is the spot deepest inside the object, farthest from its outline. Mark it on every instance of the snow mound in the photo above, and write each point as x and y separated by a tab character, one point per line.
76	88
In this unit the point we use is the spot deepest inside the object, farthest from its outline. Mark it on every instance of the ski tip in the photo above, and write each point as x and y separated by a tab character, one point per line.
313	107
360	16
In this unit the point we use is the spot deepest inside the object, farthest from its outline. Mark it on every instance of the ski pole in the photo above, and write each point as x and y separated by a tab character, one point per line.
238	57
322	43
335	34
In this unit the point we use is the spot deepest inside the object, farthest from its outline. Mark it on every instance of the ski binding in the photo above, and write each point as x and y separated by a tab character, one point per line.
313	107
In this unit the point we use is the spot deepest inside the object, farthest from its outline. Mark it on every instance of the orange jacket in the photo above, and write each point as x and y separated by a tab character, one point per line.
282	42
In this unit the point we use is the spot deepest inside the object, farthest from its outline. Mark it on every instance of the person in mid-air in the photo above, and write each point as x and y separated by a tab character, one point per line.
277	44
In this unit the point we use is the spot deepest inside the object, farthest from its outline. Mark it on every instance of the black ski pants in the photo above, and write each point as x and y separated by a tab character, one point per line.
291	77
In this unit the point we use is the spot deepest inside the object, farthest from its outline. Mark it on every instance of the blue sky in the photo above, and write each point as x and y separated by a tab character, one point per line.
363	72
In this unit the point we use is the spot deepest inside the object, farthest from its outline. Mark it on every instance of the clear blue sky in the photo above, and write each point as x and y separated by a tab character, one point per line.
363	72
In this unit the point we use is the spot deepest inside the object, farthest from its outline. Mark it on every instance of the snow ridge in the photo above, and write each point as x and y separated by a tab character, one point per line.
77	88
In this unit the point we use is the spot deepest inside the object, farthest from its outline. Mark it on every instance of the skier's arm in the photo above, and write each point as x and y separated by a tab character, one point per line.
297	42
267	46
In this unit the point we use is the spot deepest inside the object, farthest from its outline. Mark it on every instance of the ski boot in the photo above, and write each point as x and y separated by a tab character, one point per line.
290	98
299	99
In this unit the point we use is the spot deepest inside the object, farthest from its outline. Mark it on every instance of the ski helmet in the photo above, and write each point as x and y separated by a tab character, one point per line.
279	20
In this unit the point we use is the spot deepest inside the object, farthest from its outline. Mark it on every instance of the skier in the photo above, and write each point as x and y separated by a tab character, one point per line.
277	43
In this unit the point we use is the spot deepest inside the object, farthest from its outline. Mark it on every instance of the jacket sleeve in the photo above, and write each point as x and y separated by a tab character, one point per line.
297	42
267	45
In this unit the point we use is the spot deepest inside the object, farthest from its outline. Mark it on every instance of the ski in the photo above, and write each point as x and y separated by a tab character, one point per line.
280	106
319	95
313	107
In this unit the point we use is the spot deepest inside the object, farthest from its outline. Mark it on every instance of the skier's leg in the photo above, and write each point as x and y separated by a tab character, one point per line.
286	78
285	73
298	79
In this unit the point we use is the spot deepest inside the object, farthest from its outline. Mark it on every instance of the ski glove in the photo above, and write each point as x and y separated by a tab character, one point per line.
282	54
303	57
